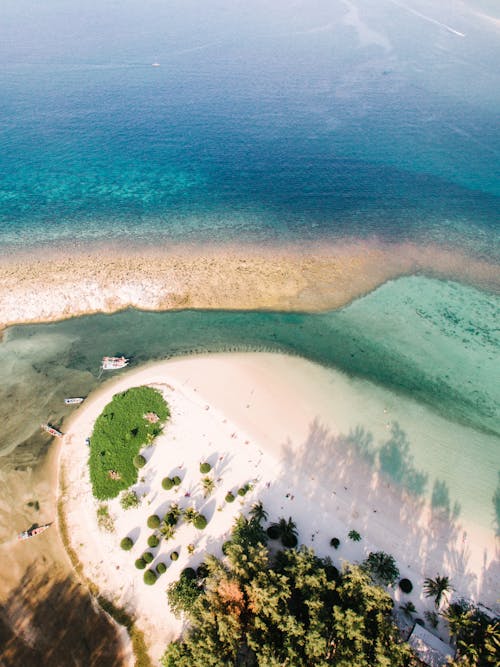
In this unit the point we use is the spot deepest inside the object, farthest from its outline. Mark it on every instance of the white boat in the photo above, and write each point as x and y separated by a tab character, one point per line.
31	532
155	64
53	431
113	363
73	401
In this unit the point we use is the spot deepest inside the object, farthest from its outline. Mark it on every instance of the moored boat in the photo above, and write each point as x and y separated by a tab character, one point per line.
73	401
31	532
53	431
113	363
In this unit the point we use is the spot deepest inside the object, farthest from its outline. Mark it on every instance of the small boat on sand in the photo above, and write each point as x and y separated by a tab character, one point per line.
31	532
113	363
73	401
53	431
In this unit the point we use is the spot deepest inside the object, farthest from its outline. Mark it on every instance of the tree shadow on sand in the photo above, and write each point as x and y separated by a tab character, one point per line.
388	483
51	621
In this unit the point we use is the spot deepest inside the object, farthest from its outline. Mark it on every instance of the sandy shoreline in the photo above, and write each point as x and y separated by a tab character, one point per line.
48	284
266	419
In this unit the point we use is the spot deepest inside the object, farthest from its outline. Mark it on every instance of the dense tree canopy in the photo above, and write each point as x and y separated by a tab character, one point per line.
476	635
256	609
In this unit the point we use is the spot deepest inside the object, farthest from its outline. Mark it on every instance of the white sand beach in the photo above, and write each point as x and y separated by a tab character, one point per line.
278	423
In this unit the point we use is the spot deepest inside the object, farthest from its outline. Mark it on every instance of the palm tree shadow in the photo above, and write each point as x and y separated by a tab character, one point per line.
389	483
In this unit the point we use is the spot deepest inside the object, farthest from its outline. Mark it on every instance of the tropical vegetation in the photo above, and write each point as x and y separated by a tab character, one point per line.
476	634
119	433
257	607
437	588
382	567
129	499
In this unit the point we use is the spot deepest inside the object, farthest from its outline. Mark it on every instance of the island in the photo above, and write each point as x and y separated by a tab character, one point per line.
216	506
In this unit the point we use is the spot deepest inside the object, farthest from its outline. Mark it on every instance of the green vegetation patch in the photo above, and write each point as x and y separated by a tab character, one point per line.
119	433
104	519
290	608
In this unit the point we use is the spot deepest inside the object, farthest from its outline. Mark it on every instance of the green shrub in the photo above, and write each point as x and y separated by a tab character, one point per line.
241	492
153	521
174	555
188	573
148	557
289	541
119	433
200	522
335	542
140	563
126	544
129	499
150	577
153	541
167	483
182	595
406	586
202	570
161	568
177	480
273	532
354	535
139	461
205	467
225	547
229	497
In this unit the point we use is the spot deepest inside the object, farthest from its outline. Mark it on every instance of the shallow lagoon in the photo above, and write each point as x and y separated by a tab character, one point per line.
417	360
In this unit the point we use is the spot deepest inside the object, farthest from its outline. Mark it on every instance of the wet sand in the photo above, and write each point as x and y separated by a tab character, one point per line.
47	618
56	283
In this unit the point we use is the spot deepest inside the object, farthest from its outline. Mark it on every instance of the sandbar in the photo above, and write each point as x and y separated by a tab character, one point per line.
45	284
268	420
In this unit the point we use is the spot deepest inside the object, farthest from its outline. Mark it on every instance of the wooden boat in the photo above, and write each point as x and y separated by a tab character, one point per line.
53	431
113	363
31	532
73	401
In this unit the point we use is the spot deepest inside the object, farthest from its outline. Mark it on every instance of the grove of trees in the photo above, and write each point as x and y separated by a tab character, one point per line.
262	607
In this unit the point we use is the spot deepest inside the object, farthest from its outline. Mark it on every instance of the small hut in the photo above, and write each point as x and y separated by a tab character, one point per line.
428	648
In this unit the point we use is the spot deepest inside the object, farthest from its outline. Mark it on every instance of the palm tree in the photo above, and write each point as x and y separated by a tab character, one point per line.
208	486
460	619
408	608
258	512
167	530
190	514
382	567
437	588
287	531
173	514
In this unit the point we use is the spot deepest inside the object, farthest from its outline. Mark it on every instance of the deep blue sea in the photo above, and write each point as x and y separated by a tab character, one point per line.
264	122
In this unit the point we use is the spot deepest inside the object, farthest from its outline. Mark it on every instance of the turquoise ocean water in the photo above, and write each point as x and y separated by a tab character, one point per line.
264	123
414	338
